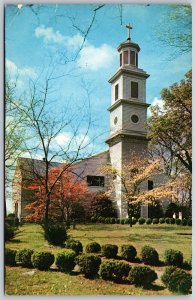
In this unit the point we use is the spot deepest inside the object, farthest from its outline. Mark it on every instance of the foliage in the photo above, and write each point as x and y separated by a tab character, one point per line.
141	220
149	255
109	250
10	257
102	206
184	222
167	220
65	195
155	209
162	220
75	245
134	221
128	252
189	222
171	209
155	221
178	221
24	257
173	257
177	280
171	221
142	276
42	260
114	270
93	247
65	261
55	233
89	264
9	232
148	221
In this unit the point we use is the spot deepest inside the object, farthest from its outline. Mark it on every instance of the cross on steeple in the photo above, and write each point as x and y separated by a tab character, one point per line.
129	28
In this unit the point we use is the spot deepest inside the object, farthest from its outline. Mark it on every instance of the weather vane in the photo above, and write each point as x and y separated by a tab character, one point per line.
129	28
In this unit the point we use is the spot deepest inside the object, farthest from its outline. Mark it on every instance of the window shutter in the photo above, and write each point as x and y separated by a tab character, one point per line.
134	89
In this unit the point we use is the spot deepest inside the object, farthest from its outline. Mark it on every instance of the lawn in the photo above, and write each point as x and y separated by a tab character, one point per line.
21	281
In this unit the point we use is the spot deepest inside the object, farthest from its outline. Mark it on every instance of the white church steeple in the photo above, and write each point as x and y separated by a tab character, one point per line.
128	111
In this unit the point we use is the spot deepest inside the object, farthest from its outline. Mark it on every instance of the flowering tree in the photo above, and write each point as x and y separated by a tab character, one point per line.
135	172
67	191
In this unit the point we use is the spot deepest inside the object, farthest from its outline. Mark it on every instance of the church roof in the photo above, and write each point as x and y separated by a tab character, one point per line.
128	43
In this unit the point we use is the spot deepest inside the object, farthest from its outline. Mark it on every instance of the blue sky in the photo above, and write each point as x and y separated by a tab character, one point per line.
33	39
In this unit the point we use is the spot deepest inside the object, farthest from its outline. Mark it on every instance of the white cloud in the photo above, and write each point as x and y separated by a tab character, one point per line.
14	71
51	36
90	57
93	58
156	101
63	138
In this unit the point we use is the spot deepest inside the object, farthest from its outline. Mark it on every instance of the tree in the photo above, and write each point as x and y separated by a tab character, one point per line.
102	205
170	130
67	192
135	173
176	32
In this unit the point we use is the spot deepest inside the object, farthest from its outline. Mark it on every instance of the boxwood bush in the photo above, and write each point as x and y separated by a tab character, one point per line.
9	232
162	220
184	222
134	221
10	257
189	222
109	251
173	258
122	221
75	245
141	221
171	221
148	221
89	264
142	276
149	255
128	252
93	247
155	221
177	280
55	233
167	220
178	221
24	257
112	269
42	260
65	261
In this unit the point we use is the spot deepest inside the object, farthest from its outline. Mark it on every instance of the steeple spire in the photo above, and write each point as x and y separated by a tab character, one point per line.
128	26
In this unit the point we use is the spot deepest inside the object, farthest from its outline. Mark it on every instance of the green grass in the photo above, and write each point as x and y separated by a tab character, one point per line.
161	237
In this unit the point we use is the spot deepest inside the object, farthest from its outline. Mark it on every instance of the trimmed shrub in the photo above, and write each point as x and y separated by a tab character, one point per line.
187	265
142	276
93	247
127	221
149	255
128	252
141	221
122	221
118	221
10	257
24	257
189	222
134	221
167	220
171	221
109	251
55	234
184	222
177	280
173	258
155	221
89	264
113	220
75	245
9	232
148	221
65	261
162	220
42	260
112	269
93	219
178	221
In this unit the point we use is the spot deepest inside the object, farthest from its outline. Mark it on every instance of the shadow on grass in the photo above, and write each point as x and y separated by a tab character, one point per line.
154	287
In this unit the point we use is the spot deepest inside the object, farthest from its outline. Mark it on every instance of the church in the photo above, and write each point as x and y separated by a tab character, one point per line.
128	117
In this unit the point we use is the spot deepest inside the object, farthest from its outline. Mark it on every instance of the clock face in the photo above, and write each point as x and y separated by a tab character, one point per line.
115	120
134	118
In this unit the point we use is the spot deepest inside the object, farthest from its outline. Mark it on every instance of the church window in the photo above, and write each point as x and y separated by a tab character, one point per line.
125	58
134	89
115	120
150	185
132	57
136	59
116	91
134	118
95	180
120	59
